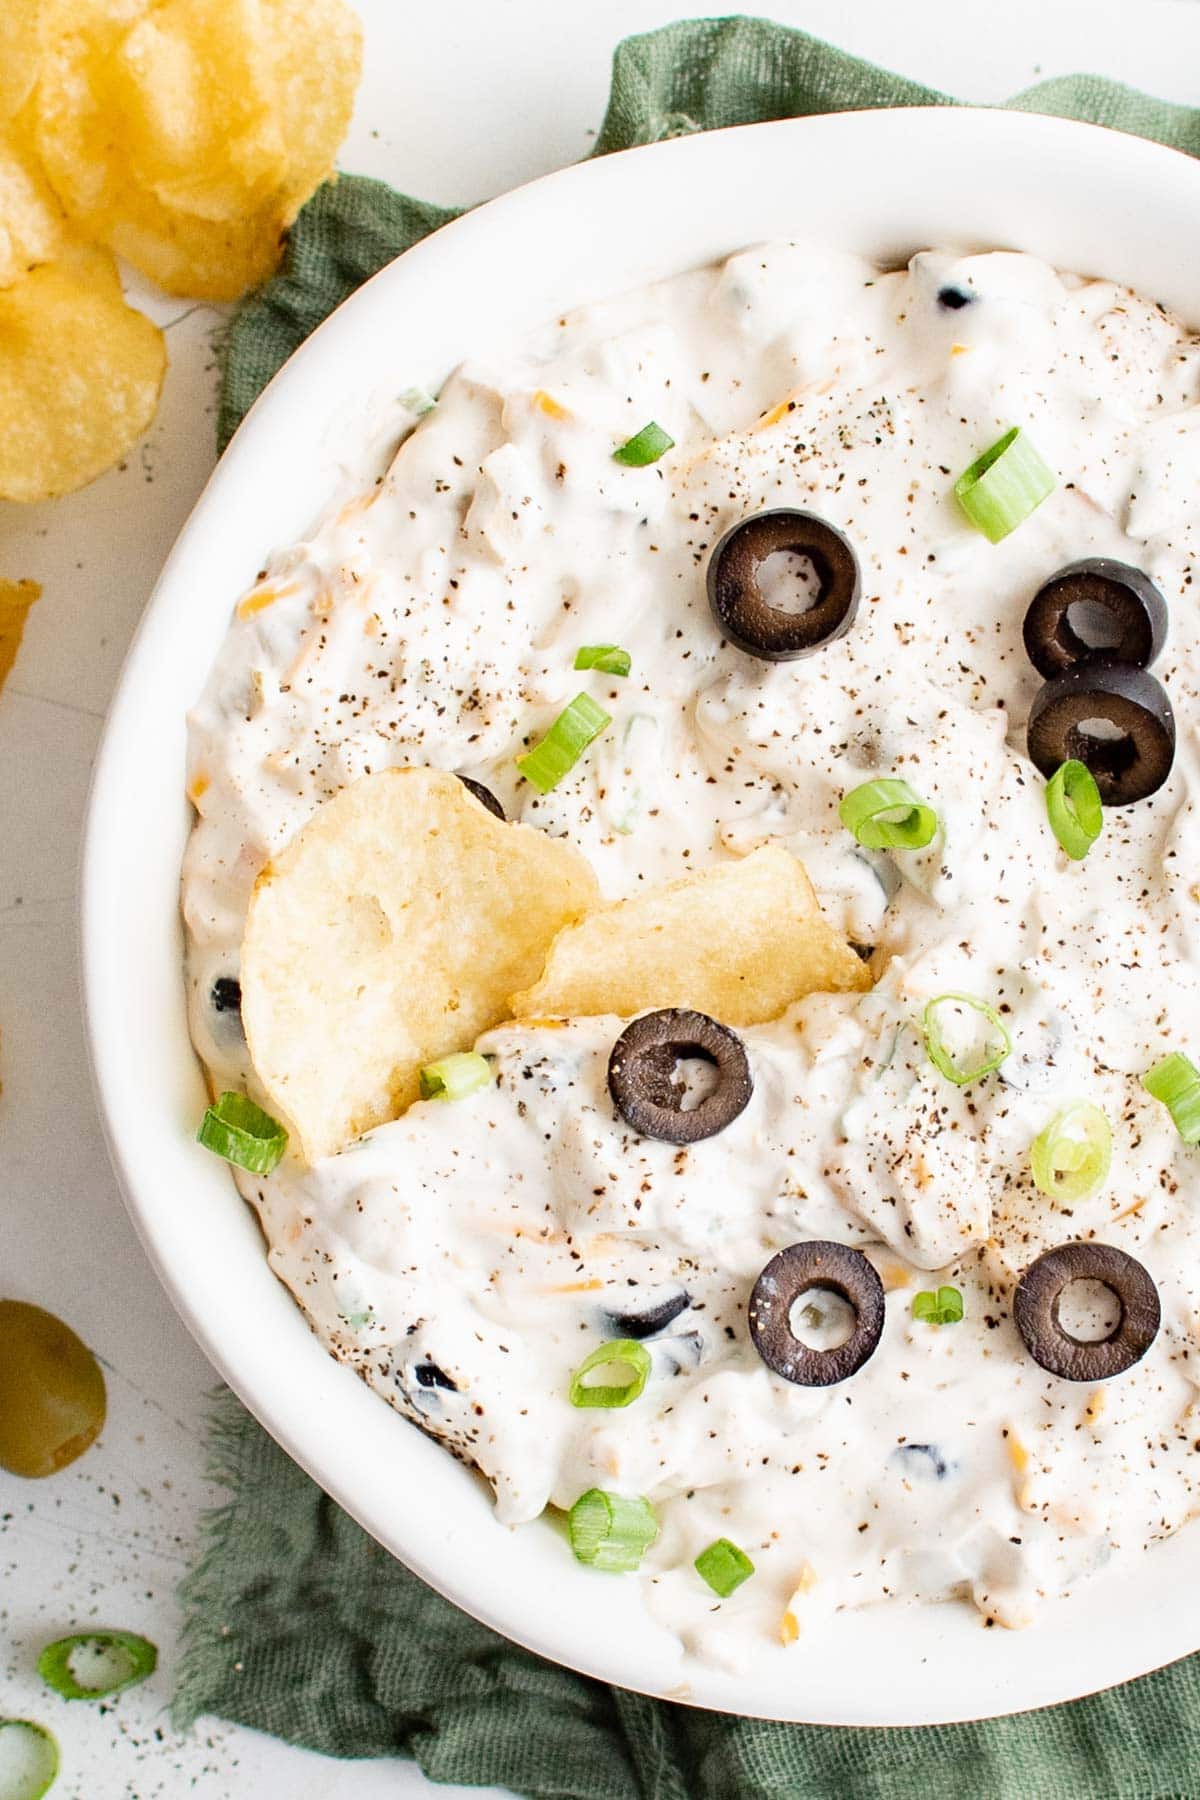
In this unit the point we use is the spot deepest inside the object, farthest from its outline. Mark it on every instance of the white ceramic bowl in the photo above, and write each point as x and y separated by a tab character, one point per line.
885	183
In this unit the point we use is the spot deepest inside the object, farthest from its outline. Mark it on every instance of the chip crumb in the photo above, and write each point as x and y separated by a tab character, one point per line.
16	598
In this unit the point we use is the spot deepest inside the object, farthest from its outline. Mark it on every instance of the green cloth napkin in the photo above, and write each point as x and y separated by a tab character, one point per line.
296	1621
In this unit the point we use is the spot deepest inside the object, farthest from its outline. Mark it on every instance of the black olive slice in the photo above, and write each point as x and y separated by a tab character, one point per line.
1134	756
226	995
643	1321
1039	1295
429	1375
736	599
643	1075
485	797
839	1270
952	299
1129	612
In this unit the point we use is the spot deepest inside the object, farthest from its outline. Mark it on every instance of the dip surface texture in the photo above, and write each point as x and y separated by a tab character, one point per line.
467	1257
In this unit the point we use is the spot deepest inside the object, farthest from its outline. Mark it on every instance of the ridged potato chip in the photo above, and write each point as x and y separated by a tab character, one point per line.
16	598
188	134
388	933
80	374
740	941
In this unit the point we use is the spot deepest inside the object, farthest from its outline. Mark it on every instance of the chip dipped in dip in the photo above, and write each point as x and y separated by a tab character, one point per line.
742	565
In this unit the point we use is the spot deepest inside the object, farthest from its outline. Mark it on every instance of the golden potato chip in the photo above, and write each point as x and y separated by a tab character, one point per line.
389	932
76	129
18	54
317	62
80	374
16	598
31	220
207	259
187	135
740	941
195	92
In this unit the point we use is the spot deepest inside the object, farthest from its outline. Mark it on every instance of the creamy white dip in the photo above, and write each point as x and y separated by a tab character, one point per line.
465	1258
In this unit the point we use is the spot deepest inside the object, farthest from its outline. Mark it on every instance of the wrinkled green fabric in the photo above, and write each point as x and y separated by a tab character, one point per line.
297	1623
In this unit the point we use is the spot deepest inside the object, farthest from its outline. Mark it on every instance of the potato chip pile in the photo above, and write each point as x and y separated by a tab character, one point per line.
183	135
404	920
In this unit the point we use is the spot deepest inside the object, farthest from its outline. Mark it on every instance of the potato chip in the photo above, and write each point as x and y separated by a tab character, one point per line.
317	62
740	941
80	374
389	933
195	93
31	220
208	259
16	598
18	54
187	134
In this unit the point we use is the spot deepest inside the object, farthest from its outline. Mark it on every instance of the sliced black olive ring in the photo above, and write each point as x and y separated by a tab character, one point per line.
1133	606
737	601
1039	1295
643	1075
651	1317
1130	763
485	797
837	1269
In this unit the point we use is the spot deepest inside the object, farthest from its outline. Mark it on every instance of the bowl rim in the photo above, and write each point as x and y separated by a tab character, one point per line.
453	1545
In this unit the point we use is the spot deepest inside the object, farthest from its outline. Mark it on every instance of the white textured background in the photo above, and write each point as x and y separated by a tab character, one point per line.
459	101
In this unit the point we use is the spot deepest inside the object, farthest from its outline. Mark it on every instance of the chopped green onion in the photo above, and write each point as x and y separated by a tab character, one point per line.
724	1567
454	1077
564	743
611	1531
93	1664
887	815
1004	485
623	1353
937	1018
1073	1155
610	659
646	446
243	1134
1073	803
1175	1080
28	1760
416	400
943	1308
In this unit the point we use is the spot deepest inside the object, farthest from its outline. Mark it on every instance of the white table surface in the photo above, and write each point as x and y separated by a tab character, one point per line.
458	102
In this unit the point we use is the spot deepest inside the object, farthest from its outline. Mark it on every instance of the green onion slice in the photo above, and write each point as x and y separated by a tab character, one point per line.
1072	1156
944	1015
943	1308
724	1567
646	446
610	659
564	743
621	1389
243	1134
1175	1080
416	400
611	1531
93	1664
28	1760
454	1077
1073	803
1004	485
887	815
